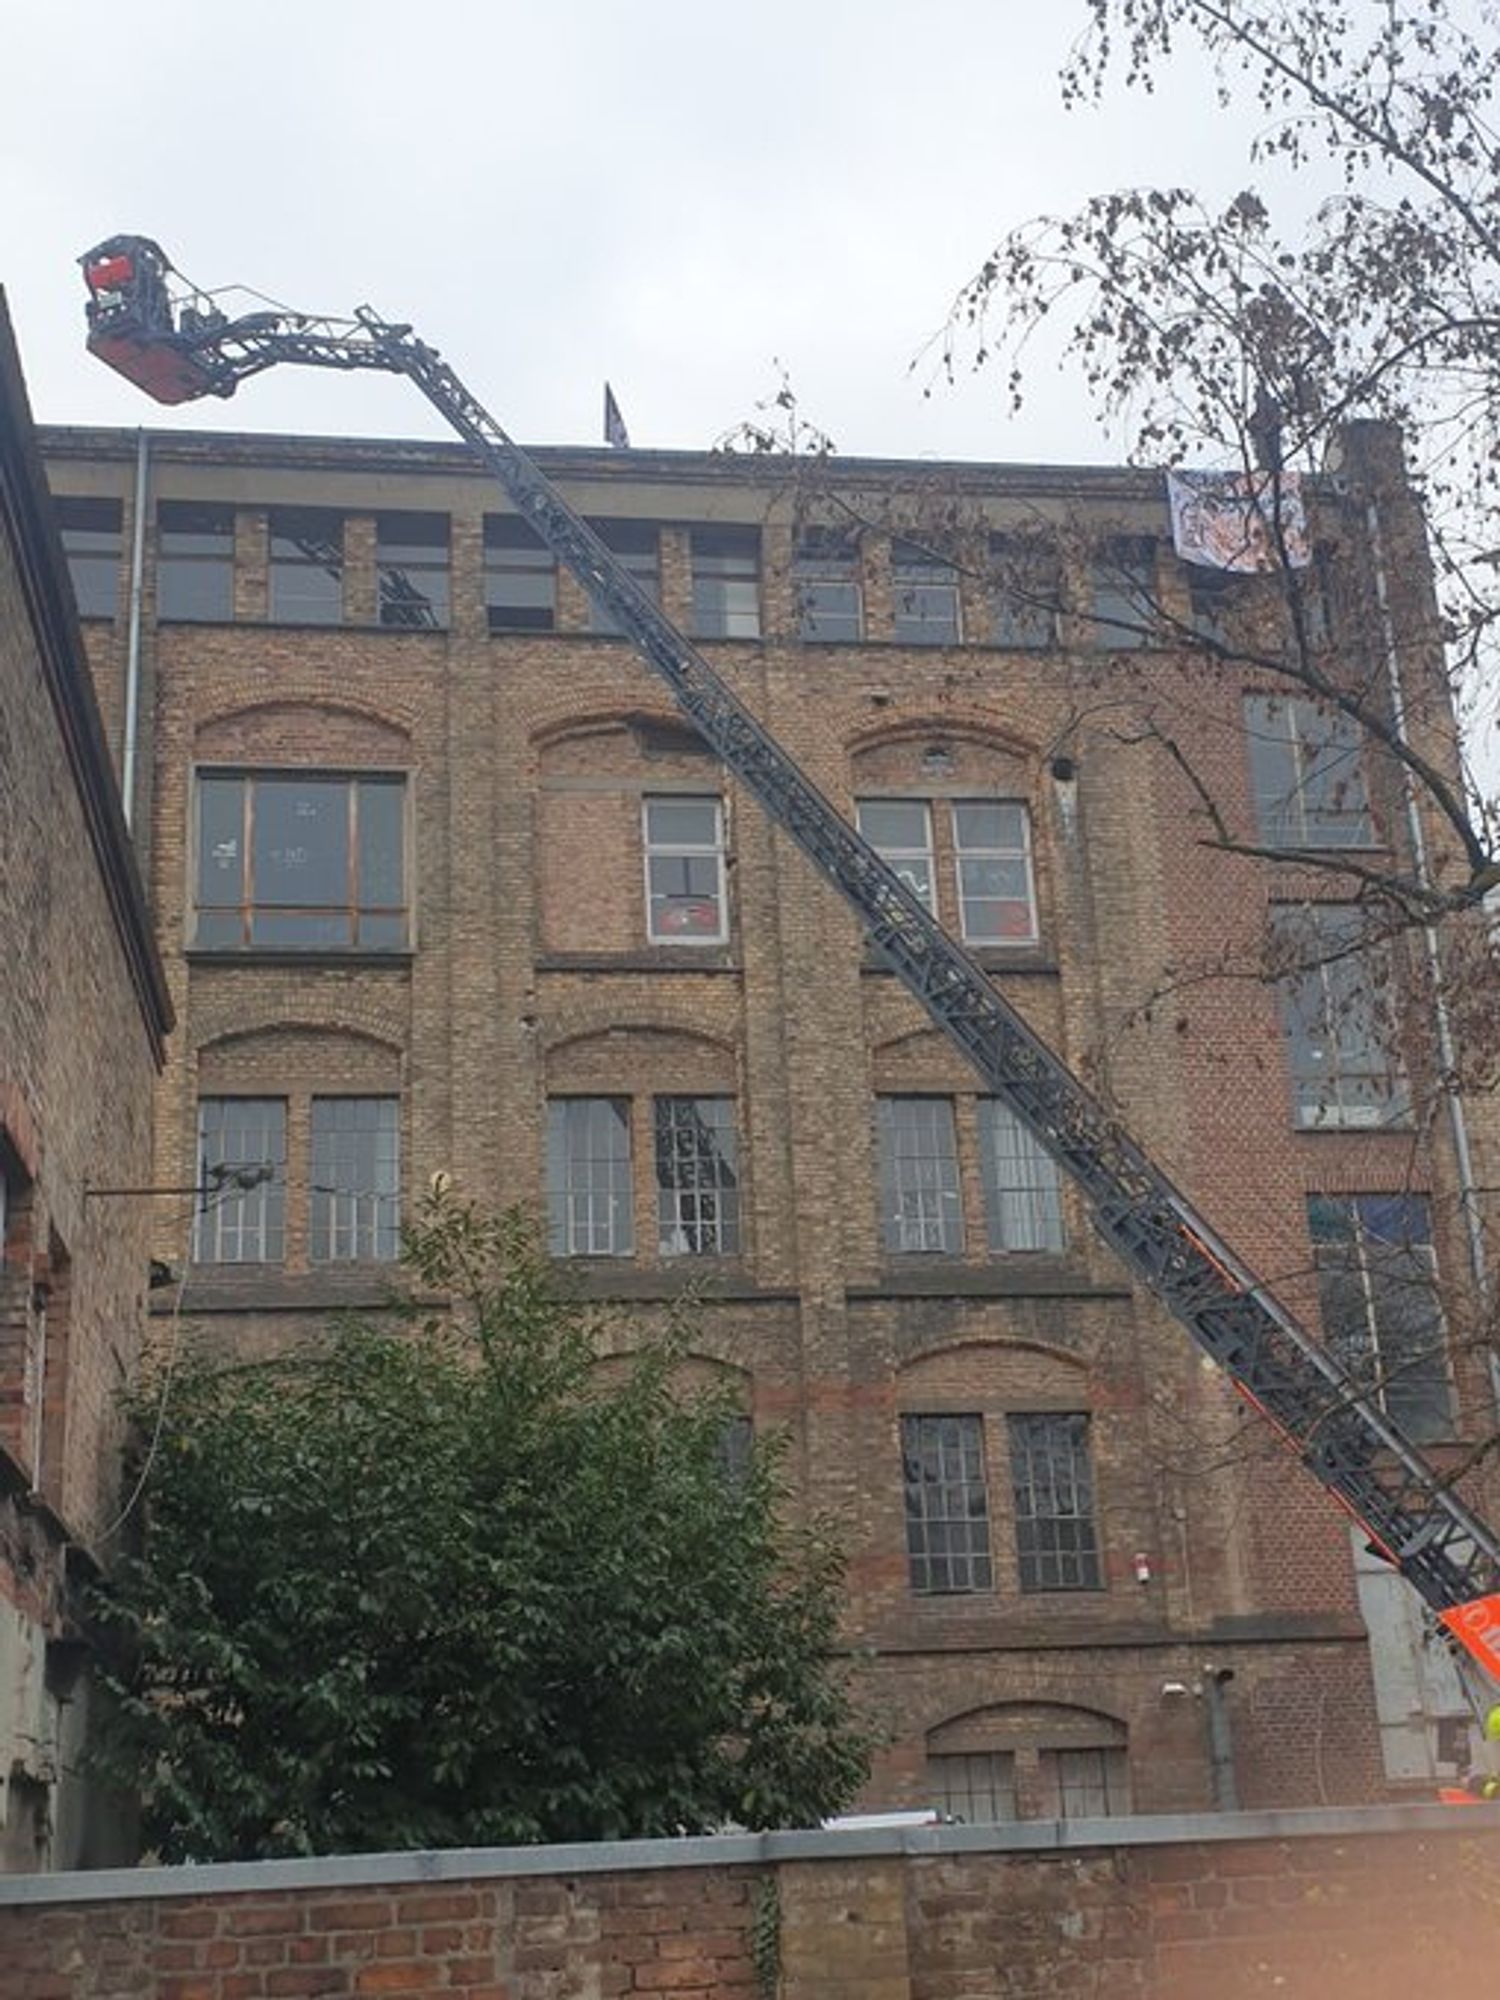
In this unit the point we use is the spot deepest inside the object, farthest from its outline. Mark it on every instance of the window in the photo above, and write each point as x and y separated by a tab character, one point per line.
1056	1544
697	1177
1376	1290
637	545
825	576
920	1208
924	597
1085	1784
411	562
297	863
900	831
1025	593
90	532
242	1175
356	1179
947	1505
194	561
684	841
520	576
588	1177
1022	1186
307	566
991	844
977	1787
1122	593
1211	601
1336	1013
726	582
1306	776
737	1450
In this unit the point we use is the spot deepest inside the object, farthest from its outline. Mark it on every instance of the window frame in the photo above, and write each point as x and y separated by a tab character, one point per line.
1021	854
86	551
946	1766
268	1199
827	559
1024	1435
686	851
393	612
670	1197
195	563
926	574
1042	1196
713	588
899	859
524	555
893	1193
249	778
642	562
292	566
1358	1259
616	1188
967	1523
1354	1095
1123	596
1019	624
384	1227
1289	818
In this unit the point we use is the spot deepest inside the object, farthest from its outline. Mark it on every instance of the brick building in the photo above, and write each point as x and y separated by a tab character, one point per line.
443	884
83	1014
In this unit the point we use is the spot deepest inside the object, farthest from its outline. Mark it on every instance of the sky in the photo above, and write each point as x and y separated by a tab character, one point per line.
673	195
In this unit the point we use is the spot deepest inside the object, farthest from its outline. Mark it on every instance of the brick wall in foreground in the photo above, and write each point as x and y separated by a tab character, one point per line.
1372	1905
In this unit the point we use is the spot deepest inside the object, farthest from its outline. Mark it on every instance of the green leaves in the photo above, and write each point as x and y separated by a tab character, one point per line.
447	1579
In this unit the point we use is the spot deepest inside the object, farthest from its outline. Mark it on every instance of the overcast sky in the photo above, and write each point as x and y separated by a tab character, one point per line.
672	194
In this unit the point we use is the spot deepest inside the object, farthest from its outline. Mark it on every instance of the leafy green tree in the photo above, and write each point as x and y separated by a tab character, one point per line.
453	1581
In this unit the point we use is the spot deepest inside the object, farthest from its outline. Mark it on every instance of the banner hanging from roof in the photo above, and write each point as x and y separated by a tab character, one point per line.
1239	521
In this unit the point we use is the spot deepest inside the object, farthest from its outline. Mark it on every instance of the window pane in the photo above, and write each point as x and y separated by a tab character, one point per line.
992	848
947	1504
411	557
920	1208
1025	593
221	855
924	597
1022	1186
1306	774
697	1177
356	1178
825	579
307	565
194	561
1337	1018
588	1177
1377	1293
726	582
1052	1484
300	842
636	545
900	831
1085	1784
381	817
685	871
978	1788
1122	594
520	577
242	1172
91	540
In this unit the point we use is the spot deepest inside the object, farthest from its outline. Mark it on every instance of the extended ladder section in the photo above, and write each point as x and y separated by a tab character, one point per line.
1404	1504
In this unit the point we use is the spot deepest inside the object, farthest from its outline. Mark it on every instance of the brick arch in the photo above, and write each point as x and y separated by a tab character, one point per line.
1004	1725
604	721
660	1021
637	1058
1009	1343
261	1022
975	726
305	725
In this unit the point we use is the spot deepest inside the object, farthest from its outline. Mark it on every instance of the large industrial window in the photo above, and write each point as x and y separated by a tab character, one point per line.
91	543
520	576
684	846
825	578
194	561
307	566
726	582
924	597
356	1179
992	852
1057	1544
977	1787
947	1504
411	563
1337	1015
1025	593
1085	1783
636	545
588	1177
1122	593
300	863
242	1180
1377	1292
1022	1186
1306	774
920	1209
697	1177
900	831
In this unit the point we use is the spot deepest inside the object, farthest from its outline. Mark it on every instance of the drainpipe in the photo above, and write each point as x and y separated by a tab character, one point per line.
133	629
1447	1053
1220	1740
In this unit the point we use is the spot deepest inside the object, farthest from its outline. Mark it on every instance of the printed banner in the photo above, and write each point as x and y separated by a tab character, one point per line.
1229	520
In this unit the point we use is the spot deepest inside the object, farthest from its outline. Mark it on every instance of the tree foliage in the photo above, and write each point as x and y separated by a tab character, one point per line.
459	1581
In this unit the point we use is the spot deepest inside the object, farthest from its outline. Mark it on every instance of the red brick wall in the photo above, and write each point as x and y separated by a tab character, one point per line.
1346	1913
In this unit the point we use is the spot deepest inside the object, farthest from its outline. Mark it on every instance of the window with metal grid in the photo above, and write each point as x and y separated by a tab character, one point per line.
1022	1186
1085	1783
697	1177
920	1205
589	1203
242	1172
1057	1543
356	1179
977	1787
947	1504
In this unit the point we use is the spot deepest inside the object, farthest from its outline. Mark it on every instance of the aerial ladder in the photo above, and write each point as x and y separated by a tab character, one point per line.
178	345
